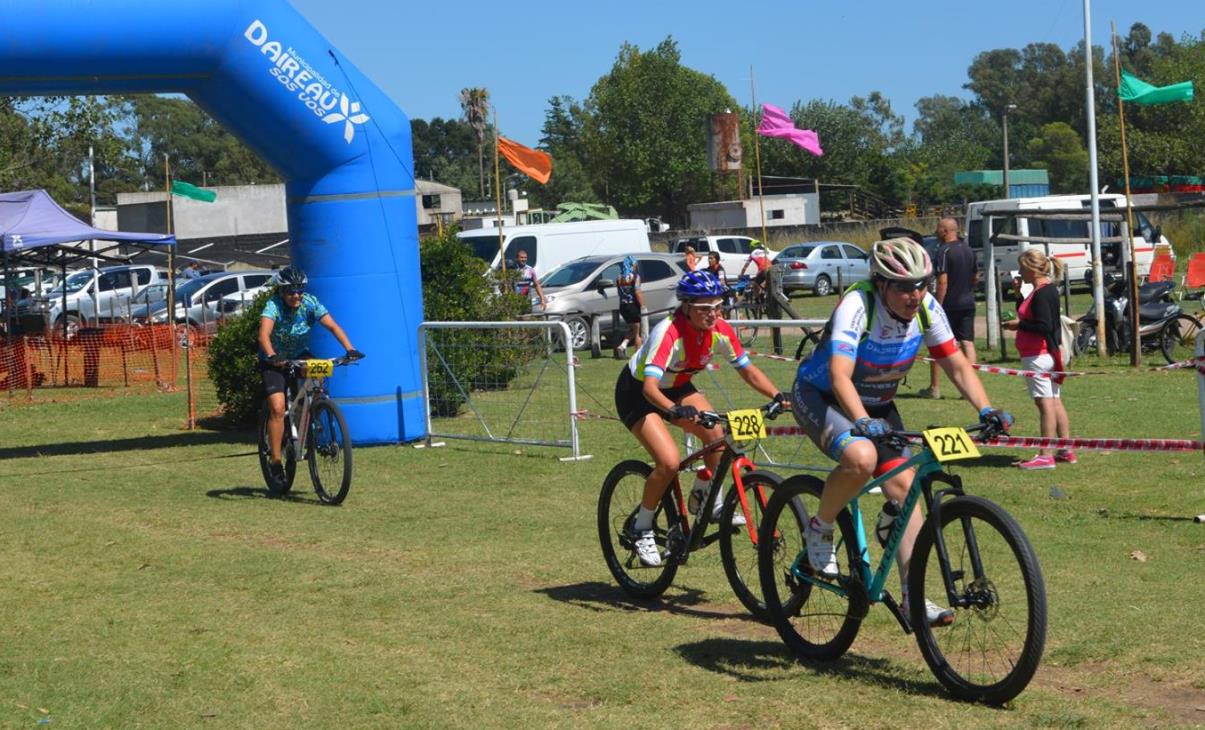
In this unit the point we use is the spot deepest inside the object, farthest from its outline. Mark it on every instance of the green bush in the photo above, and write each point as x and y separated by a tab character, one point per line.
456	287
233	354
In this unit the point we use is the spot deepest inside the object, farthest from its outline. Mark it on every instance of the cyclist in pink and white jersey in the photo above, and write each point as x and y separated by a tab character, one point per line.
655	387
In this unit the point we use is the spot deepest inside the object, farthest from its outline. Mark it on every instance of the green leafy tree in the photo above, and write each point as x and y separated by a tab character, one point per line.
457	288
1059	150
645	134
233	364
445	151
563	140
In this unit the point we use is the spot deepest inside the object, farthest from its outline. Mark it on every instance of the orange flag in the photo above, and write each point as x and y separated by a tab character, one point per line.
535	164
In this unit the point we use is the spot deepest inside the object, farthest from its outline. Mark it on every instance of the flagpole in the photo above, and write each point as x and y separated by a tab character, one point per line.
498	190
1135	344
761	192
171	256
1093	183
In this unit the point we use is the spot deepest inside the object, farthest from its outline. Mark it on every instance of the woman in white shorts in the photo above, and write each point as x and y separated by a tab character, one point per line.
1037	327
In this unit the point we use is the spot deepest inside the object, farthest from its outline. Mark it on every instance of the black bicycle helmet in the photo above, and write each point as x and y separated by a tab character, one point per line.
699	285
290	276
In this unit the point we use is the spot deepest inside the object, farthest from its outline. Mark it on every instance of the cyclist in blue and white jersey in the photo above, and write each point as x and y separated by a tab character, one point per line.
844	393
284	334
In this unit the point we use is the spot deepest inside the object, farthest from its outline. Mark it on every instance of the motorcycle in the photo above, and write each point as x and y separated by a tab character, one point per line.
1162	324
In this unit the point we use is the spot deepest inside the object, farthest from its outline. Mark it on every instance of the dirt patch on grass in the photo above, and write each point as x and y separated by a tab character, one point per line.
1180	701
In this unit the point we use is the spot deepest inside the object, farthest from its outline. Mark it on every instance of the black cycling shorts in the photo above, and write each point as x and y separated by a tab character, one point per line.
630	311
820	416
630	403
275	379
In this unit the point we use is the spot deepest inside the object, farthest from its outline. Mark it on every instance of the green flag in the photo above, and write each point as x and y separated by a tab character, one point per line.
186	190
1140	92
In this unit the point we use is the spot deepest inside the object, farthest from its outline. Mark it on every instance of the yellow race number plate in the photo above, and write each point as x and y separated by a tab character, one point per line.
747	425
319	368
951	444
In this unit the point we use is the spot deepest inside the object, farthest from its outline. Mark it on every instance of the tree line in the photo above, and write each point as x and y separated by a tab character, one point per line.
638	140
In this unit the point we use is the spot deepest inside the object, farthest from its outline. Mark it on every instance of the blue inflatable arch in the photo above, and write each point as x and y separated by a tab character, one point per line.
341	145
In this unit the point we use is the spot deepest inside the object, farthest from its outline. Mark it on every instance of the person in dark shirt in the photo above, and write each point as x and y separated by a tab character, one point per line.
956	273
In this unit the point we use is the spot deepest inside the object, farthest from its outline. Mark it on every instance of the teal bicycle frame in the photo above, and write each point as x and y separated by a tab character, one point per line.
926	465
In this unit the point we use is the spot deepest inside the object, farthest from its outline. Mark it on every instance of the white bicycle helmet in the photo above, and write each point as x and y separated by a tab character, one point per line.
900	259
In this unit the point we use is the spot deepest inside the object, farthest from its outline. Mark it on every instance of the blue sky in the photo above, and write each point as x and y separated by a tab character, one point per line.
423	53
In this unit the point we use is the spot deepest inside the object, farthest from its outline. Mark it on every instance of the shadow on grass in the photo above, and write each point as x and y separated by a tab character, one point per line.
596	596
139	443
241	493
761	661
1147	518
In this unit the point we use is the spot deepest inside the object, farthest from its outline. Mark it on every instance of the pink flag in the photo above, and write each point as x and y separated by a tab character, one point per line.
776	123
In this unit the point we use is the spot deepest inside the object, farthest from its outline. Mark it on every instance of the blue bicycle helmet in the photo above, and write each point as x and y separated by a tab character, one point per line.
699	285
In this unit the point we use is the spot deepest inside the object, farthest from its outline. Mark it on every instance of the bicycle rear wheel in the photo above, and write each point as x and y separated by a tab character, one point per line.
738	551
275	486
739	317
328	451
618	501
1178	338
992	649
814	622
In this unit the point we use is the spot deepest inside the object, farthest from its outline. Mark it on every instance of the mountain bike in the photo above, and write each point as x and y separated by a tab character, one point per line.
314	430
677	538
750	307
970	554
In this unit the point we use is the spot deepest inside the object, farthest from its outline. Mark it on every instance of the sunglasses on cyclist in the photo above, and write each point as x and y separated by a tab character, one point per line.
908	287
294	291
707	308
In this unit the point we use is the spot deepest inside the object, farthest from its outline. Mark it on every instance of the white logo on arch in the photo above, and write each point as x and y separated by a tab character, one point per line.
349	113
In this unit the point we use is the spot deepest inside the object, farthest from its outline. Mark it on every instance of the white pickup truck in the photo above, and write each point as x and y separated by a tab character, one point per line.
734	251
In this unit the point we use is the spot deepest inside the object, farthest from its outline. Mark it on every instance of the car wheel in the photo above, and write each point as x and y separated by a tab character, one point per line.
824	286
73	325
579	333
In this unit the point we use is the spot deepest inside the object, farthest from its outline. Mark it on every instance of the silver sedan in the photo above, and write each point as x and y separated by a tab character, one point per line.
821	266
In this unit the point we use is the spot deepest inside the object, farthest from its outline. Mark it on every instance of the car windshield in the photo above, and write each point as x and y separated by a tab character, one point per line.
185	291
75	282
483	247
570	273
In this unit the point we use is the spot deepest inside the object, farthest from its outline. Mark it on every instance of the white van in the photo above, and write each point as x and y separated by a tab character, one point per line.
549	245
1076	257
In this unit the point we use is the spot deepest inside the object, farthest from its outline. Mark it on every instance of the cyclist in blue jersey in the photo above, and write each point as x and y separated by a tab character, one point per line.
284	333
844	393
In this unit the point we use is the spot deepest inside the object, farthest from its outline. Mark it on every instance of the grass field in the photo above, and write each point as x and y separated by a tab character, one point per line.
150	582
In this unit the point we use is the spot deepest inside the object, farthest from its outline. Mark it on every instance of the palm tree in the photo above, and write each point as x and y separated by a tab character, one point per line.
475	103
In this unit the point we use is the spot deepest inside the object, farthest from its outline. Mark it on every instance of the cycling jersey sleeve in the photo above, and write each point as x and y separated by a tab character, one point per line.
723	336
849	323
939	338
663	344
319	309
271	310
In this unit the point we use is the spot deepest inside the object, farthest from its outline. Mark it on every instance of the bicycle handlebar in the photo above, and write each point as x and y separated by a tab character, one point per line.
903	438
338	361
708	419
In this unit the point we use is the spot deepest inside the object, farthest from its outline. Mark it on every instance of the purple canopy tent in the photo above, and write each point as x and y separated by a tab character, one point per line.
33	227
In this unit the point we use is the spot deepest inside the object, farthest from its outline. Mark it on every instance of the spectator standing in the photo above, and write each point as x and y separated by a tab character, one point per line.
692	259
1038	332
631	303
956	272
191	271
527	280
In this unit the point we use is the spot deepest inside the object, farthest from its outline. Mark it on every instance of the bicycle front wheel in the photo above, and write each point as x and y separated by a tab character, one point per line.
1178	338
276	484
621	493
992	649
738	549
329	452
814	622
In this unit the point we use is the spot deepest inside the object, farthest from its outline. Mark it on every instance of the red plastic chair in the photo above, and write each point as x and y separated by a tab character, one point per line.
1193	282
1163	268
